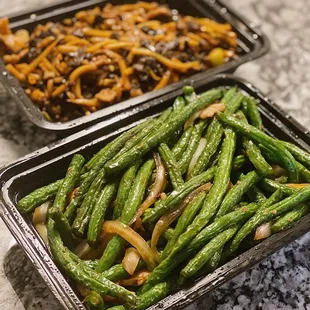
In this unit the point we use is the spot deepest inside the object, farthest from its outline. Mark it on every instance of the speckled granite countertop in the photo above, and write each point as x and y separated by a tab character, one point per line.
279	282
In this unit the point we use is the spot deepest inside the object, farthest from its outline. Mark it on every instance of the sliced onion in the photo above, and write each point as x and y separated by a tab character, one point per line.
212	109
73	194
165	221
282	180
278	171
163	196
131	260
200	148
42	230
295	185
229	186
83	290
84	251
40	213
263	231
157	187
190	122
137	280
116	227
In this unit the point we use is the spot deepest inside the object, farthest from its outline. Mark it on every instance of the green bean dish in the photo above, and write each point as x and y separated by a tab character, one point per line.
170	200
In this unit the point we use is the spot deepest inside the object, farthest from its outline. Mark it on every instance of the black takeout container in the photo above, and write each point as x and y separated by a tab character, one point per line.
252	43
49	163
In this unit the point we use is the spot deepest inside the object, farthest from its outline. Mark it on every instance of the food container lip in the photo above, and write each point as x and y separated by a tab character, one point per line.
251	35
38	254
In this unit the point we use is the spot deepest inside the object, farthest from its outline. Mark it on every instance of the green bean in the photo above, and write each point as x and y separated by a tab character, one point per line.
94	301
134	200
171	166
117	272
234	196
301	155
97	217
63	226
179	103
181	145
136	194
274	198
89	278
192	146
91	263
266	214
229	95
215	159
208	233
190	97
207	252
213	138
216	194
234	104
108	152
241	204
155	294
151	215
253	113
149	298
238	162
84	195
38	197
153	125
169	233
304	172
271	157
260	137
244	107
286	220
230	219
124	188
214	134
115	145
71	210
282	179
81	221
253	152
153	140
164	116
184	220
188	90
209	267
215	260
272	186
255	194
72	175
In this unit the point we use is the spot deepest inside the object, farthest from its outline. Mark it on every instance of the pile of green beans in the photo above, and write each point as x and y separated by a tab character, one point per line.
216	180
